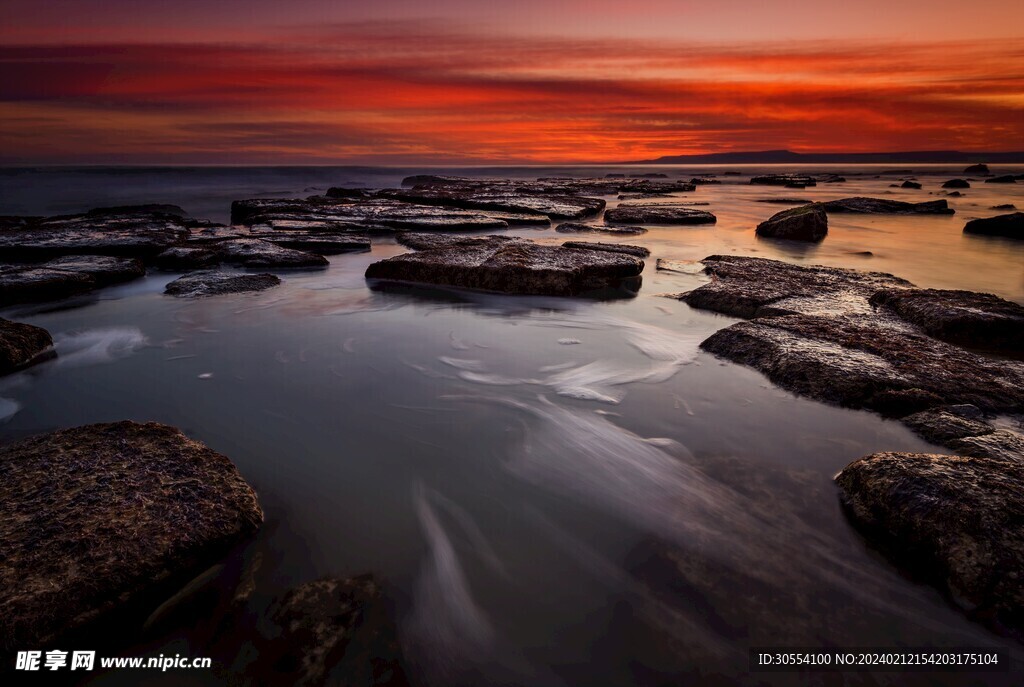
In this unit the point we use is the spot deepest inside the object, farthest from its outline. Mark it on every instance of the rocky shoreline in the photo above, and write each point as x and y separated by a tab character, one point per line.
947	364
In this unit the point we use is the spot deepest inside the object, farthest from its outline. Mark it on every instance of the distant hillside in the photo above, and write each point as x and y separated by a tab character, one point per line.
768	157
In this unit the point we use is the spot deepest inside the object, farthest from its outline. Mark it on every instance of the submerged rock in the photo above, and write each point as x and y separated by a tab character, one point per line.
512	266
576	228
966	318
638	251
807	223
331	631
957	521
657	214
1010	226
881	206
64	277
95	517
22	345
219	283
957	183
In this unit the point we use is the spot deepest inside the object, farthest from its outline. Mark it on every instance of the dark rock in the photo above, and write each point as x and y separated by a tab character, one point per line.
1004	206
786	201
910	184
888	207
650	175
64	277
319	242
181	258
957	521
816	334
954	194
976	169
643	196
795	184
513	266
219	283
1000	444
957	183
701	181
626	249
800	180
22	345
806	223
754	287
99	232
257	253
1004	179
425	241
575	228
614	176
331	631
343	215
944	424
657	214
96	517
474	197
1011	226
965	318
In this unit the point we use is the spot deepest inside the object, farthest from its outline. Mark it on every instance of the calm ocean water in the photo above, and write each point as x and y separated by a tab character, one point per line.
557	492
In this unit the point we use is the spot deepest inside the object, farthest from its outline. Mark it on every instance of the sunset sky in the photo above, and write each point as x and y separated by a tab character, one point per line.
460	81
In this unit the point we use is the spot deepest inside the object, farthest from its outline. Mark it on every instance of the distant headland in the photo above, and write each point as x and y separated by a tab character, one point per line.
787	156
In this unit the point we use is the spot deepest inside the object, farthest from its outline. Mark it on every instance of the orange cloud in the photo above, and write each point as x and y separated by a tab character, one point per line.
371	92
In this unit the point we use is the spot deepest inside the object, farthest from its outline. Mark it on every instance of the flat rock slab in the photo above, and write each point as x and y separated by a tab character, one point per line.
791	180
807	223
657	214
752	287
347	215
331	631
94	517
966	318
219	283
511	266
318	242
257	253
624	248
471	197
884	206
576	228
958	521
22	345
1010	226
117	232
814	331
190	257
64	277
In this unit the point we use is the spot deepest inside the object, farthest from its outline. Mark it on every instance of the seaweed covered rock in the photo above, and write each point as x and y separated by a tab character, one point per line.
94	517
957	521
22	345
496	263
807	223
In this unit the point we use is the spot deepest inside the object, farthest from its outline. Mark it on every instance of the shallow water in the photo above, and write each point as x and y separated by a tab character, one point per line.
557	492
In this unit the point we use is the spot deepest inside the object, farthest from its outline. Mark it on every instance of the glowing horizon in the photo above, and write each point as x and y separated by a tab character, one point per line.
258	83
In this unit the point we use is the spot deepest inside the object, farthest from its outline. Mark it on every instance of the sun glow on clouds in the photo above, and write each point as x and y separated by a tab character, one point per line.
426	92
